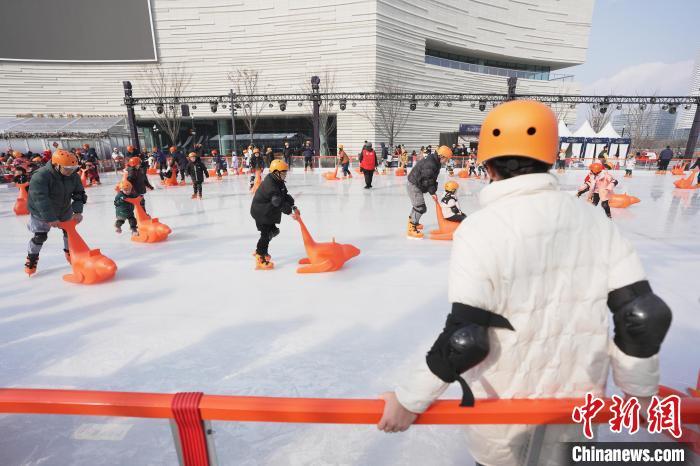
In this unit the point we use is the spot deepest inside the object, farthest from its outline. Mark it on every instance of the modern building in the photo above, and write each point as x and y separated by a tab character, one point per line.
657	123
685	116
467	46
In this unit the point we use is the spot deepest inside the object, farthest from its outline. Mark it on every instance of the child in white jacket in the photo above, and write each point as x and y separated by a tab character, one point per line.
449	203
520	326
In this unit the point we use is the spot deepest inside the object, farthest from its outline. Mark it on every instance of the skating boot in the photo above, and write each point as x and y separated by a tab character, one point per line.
30	265
134	232
218	177
199	196
267	256
419	227
67	254
194	196
413	232
118	230
262	263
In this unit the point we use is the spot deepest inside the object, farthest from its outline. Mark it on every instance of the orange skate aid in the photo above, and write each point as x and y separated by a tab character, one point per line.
90	266
20	207
172	181
687	183
323	257
400	172
621	201
331	176
150	229
445	227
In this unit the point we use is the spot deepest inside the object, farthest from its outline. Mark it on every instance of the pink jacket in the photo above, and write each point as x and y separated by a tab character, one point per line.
603	183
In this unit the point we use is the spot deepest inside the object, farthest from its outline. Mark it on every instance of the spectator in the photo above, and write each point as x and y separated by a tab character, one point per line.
665	158
308	154
368	163
287	153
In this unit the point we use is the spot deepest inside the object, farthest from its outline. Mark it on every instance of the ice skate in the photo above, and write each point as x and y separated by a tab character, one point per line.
194	196
413	232
134	232
118	230
30	265
199	196
267	256
419	226
262	263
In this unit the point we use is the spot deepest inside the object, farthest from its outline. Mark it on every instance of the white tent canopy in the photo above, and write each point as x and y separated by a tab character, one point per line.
615	148
564	132
584	131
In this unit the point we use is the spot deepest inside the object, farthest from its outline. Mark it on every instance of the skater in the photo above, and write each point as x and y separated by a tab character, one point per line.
287	153
125	210
630	163
368	163
519	327
450	167
20	176
56	194
92	174
308	154
270	201
198	172
449	203
665	158
257	166
344	161
269	156
403	158
421	180
180	161
219	163
472	166
561	161
235	163
599	185
136	175
161	164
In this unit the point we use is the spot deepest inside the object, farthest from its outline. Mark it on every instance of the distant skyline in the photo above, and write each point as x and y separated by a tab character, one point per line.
640	47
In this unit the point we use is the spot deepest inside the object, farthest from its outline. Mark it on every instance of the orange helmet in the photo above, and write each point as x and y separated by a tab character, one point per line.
134	162
125	185
451	186
214	152
596	167
63	158
86	146
172	149
520	128
16	154
129	148
444	151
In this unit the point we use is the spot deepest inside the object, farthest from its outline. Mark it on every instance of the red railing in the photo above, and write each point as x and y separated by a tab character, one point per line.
189	410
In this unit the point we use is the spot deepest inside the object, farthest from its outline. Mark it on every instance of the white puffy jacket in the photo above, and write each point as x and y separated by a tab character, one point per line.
546	261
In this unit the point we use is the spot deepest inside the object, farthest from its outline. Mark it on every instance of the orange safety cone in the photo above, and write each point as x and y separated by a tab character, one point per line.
257	182
687	183
677	169
323	257
172	181
83	178
20	207
150	229
212	172
621	201
445	227
332	176
90	266
151	171
401	171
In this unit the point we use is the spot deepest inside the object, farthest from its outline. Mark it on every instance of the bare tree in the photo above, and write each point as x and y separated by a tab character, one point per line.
638	124
597	119
247	81
167	82
389	117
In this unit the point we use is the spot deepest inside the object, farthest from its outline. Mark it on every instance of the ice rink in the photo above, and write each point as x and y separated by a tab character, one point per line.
191	314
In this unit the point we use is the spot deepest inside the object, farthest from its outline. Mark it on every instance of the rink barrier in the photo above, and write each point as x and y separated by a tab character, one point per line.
191	412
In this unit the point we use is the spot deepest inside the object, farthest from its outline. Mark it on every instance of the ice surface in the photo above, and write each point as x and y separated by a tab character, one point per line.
192	314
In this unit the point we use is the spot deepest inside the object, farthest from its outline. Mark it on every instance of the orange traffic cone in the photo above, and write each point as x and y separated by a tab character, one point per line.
151	171
401	171
332	176
445	227
687	183
89	265
323	257
83	178
150	229
621	201
20	207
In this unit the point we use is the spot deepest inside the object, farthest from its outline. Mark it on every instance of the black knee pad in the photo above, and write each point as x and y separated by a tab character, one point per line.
274	232
40	238
421	209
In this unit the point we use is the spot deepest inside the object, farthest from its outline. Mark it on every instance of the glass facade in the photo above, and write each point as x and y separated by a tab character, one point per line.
488	66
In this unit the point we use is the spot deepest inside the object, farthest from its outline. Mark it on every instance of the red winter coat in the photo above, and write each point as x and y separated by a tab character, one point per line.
369	160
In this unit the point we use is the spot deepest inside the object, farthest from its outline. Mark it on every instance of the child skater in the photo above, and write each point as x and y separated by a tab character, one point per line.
630	163
421	180
599	185
125	210
270	201
257	166
449	203
198	172
344	161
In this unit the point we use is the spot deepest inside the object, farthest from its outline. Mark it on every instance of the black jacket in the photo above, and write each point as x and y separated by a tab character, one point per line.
308	152
666	154
197	171
19	179
138	179
54	197
181	161
288	152
257	162
270	201
424	175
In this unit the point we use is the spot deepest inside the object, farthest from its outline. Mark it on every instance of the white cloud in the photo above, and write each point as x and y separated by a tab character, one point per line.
646	78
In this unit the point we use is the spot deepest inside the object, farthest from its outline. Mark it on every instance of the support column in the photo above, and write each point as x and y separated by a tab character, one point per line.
316	100
693	136
131	116
233	121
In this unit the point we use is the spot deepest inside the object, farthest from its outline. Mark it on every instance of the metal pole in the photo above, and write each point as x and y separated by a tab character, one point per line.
512	84
315	81
131	116
693	136
233	122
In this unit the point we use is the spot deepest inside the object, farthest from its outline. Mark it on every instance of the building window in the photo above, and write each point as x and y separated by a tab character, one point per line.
487	66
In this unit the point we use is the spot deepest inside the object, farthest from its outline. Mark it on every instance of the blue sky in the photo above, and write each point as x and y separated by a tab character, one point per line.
641	46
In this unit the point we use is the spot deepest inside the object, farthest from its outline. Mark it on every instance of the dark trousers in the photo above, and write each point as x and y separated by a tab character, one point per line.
456	218
219	170
197	187
605	205
369	174
472	171
346	169
267	232
663	164
309	162
132	222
